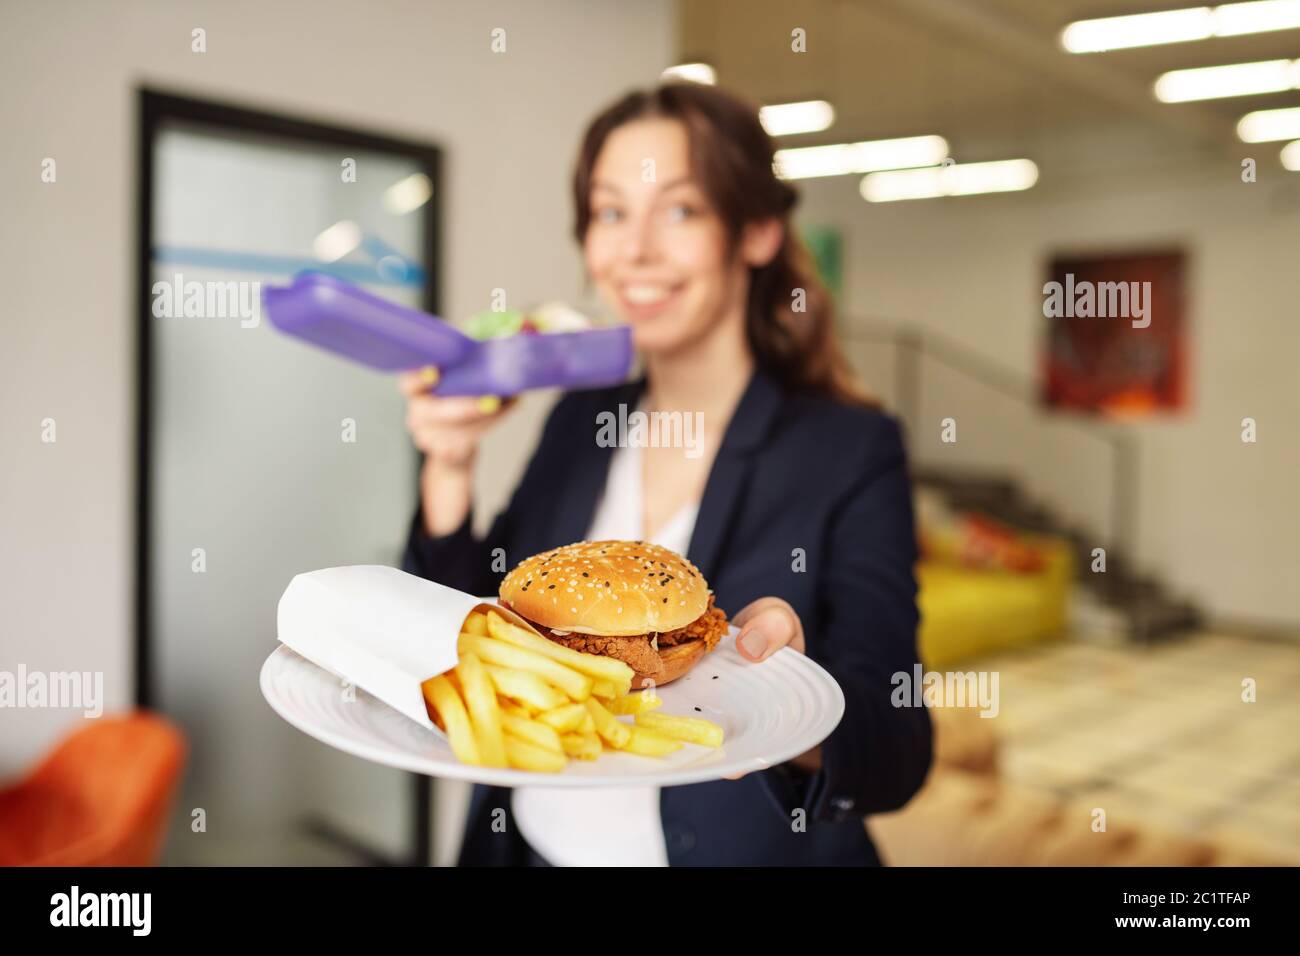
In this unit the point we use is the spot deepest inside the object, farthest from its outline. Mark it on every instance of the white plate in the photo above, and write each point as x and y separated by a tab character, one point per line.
769	712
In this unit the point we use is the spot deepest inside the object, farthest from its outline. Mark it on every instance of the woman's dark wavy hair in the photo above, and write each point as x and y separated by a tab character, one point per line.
732	159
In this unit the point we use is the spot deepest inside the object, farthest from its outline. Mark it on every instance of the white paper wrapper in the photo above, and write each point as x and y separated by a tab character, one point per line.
379	628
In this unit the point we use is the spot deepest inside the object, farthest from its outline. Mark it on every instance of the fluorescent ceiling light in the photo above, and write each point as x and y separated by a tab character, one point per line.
1180	26
1140	29
962	179
843	159
1239	79
1263	16
1263	126
788	119
1291	156
337	241
409	194
693	72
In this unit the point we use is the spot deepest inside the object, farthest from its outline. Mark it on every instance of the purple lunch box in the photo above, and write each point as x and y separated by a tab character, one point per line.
349	321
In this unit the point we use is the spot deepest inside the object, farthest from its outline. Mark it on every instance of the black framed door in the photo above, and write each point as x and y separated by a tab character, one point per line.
259	458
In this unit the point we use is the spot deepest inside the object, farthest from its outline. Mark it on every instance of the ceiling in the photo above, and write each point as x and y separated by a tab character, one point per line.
988	74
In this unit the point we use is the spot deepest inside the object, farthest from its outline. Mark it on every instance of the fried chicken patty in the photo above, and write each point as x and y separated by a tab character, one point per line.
708	627
638	651
635	651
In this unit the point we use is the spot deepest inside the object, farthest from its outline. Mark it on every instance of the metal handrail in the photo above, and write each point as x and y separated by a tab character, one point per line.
911	344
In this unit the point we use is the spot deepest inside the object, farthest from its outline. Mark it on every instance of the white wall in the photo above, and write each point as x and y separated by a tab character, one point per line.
68	71
1218	519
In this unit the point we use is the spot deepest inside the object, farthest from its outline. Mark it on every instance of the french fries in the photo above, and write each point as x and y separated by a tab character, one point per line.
615	673
613	732
529	689
573	683
650	744
526	756
484	714
518	700
532	731
608	689
455	720
509	706
582	746
641	703
566	718
691	729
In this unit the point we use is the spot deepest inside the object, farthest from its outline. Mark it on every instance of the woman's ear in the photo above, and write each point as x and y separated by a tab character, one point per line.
761	241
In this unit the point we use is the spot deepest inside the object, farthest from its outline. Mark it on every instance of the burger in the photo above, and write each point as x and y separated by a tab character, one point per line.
634	601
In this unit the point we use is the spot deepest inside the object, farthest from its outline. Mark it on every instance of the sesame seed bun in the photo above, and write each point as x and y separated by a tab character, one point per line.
607	588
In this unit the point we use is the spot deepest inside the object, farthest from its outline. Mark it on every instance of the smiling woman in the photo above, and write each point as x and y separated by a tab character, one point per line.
686	234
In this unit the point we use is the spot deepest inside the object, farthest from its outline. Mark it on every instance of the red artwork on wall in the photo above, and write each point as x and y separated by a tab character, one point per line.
1116	333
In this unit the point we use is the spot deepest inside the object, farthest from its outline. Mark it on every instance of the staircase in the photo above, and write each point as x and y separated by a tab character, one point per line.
1118	605
1121	604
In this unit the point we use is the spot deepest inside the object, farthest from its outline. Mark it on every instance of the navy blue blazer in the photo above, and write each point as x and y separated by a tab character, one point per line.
794	471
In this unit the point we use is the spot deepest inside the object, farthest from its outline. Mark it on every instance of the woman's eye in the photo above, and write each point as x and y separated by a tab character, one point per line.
608	214
680	212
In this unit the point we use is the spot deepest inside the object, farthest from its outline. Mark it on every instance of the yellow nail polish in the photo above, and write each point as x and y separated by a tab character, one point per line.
488	404
430	375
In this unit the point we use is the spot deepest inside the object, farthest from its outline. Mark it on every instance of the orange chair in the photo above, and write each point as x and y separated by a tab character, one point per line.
102	798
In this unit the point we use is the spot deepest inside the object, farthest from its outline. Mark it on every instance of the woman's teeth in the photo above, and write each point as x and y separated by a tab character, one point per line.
645	294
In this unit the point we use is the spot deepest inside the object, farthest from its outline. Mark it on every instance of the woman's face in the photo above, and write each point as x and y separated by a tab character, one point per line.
655	249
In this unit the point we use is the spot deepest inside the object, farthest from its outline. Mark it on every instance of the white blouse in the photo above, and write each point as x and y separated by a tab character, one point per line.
606	827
